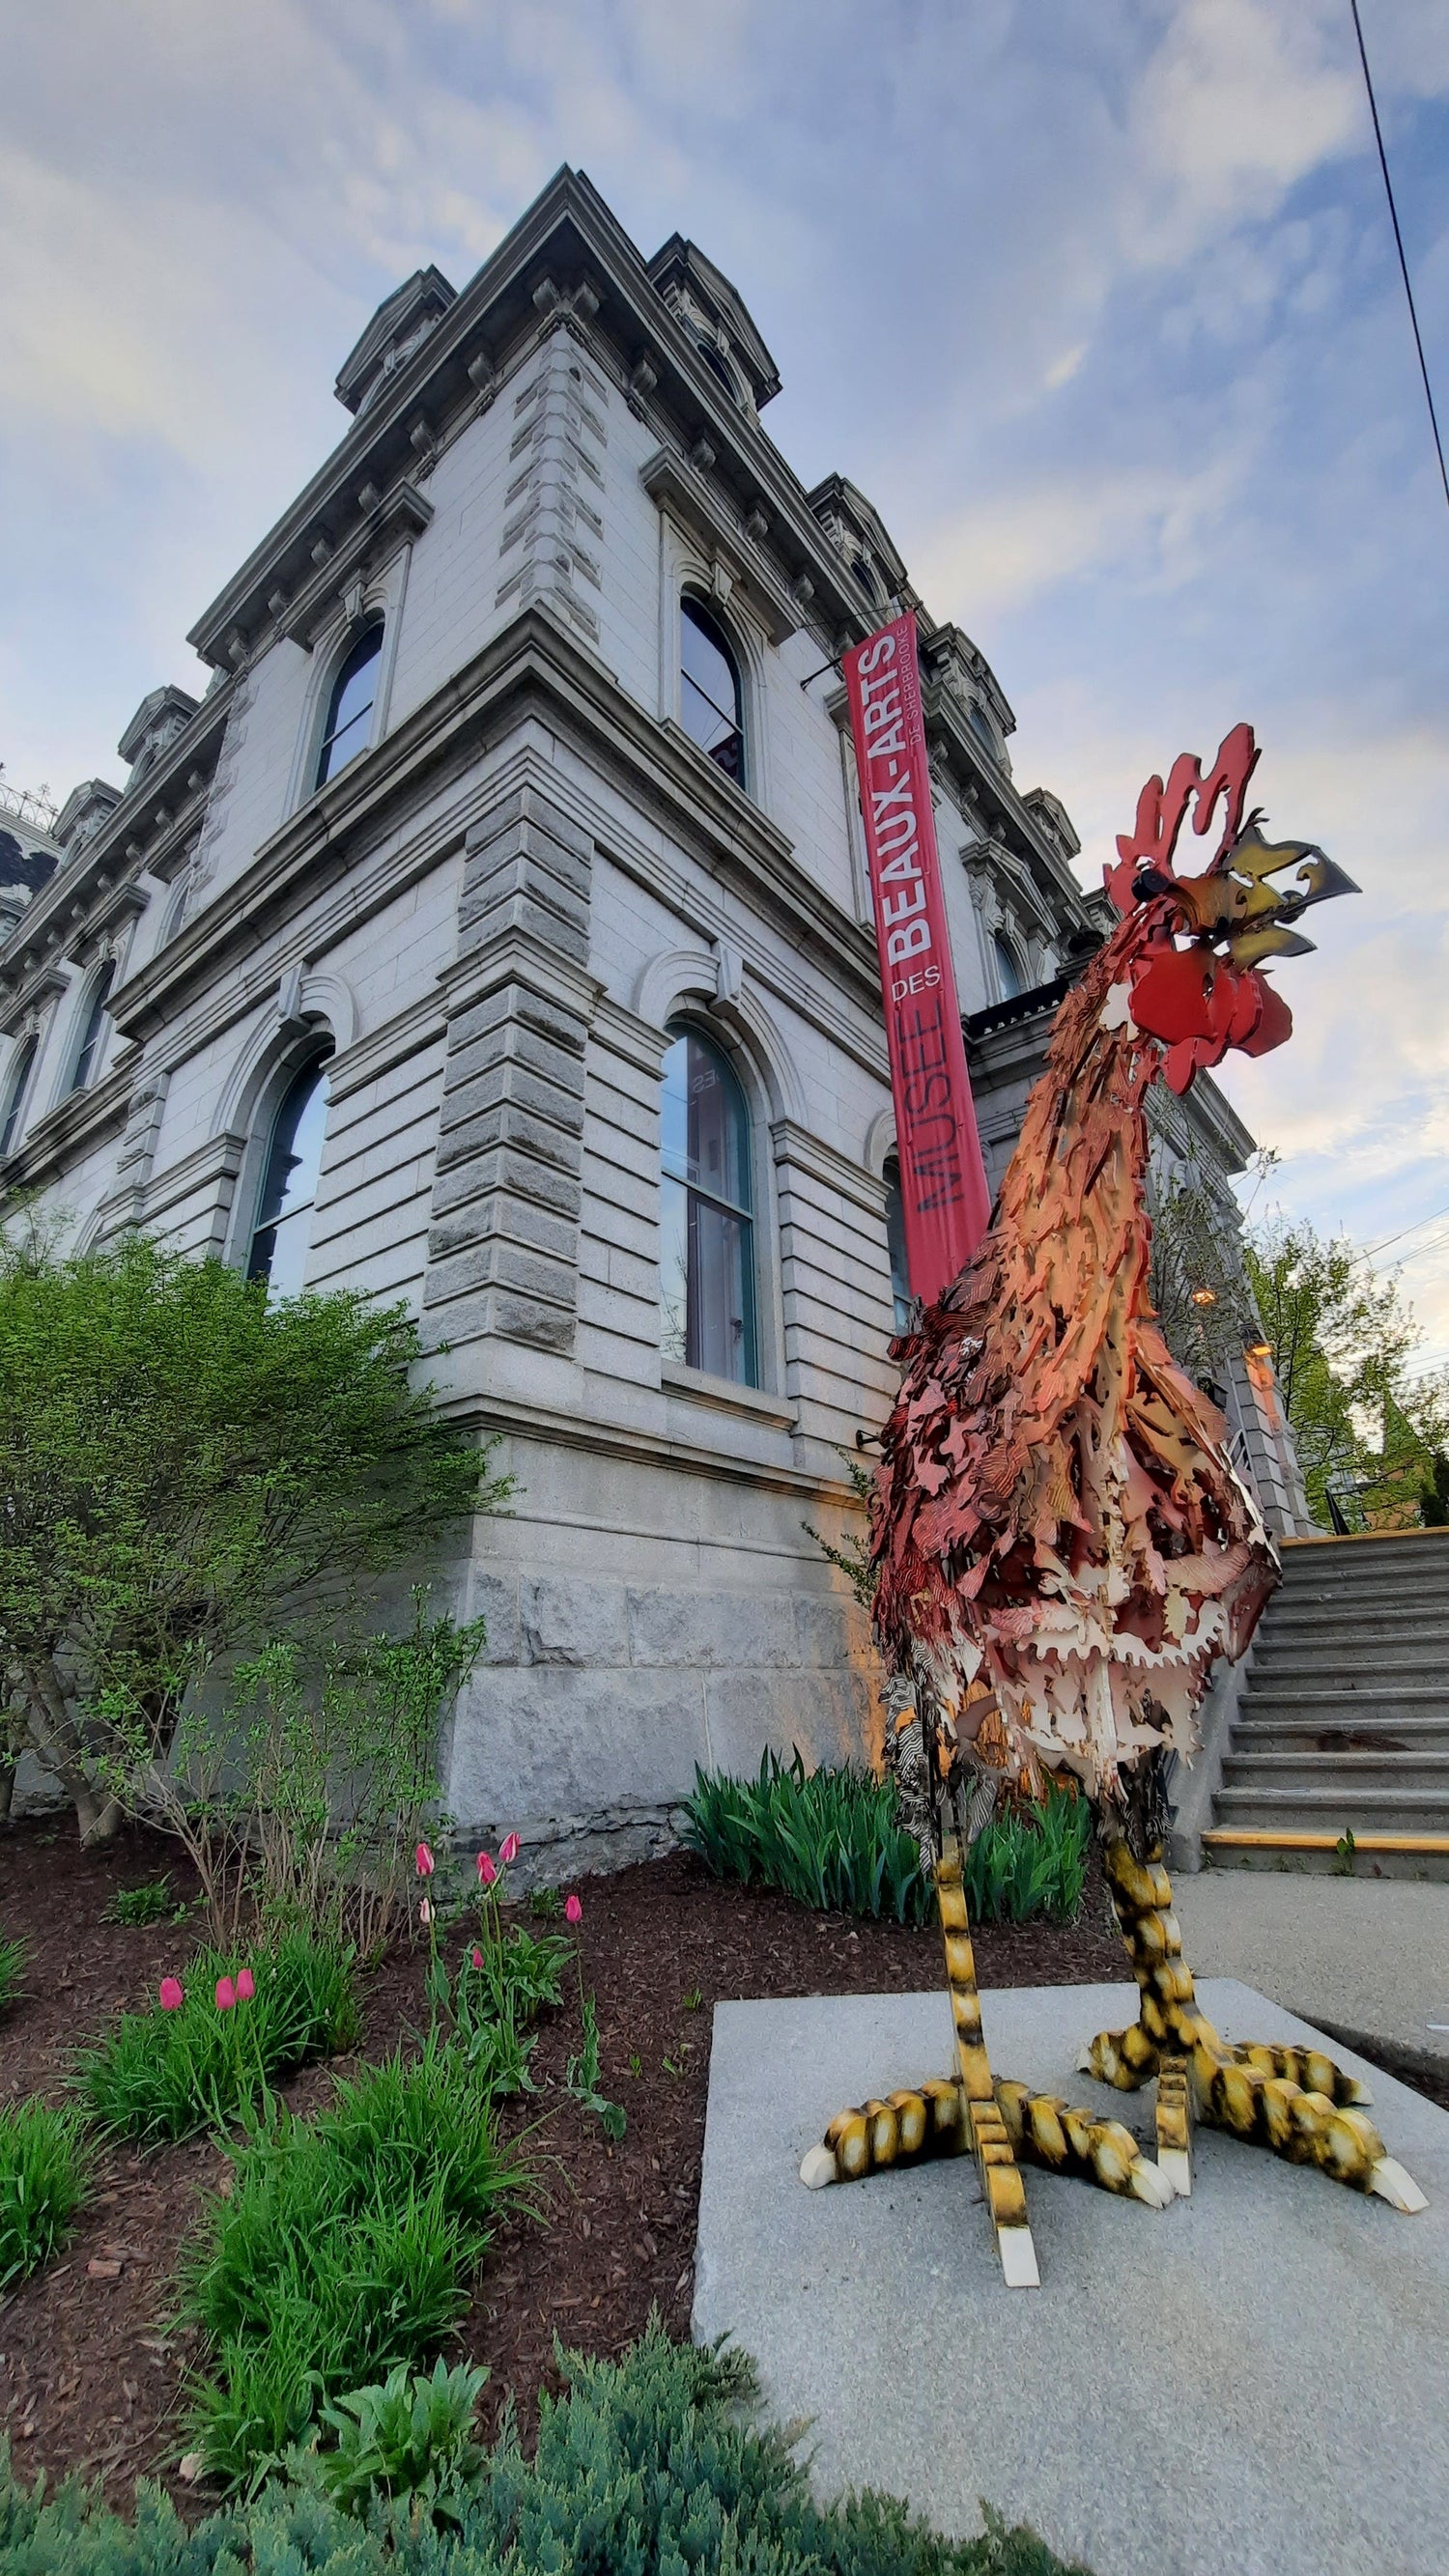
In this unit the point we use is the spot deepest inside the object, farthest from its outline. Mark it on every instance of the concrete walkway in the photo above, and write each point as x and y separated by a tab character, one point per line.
1254	2380
1368	1955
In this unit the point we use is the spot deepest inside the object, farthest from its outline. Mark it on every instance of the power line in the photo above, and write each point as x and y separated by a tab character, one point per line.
1372	1250
1399	241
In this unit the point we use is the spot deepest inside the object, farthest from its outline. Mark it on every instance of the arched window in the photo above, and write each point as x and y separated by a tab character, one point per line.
711	699
984	730
282	1235
94	1032
896	1245
21	1066
349	709
1008	973
707	1254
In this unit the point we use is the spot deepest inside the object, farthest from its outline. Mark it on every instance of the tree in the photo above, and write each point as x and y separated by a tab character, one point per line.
184	1465
1342	1340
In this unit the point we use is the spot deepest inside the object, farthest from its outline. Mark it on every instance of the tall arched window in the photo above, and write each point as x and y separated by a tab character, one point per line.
21	1066
282	1235
349	709
93	1033
707	1253
1008	973
711	700
895	1215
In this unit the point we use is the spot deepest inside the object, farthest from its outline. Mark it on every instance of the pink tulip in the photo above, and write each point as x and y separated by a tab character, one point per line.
487	1868
508	1849
425	1911
225	1994
573	1911
477	1958
245	1986
172	1997
425	1861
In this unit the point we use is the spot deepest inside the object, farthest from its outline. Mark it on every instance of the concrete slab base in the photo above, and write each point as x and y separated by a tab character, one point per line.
1256	2378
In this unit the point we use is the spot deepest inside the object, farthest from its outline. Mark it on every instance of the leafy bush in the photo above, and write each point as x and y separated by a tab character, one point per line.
44	2169
833	1839
14	1956
153	1903
1030	1861
410	2437
159	2076
649	2464
184	1459
347	2247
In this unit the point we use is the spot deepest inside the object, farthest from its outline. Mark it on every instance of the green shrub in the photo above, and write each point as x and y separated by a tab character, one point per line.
649	2464
159	2076
833	1839
347	2246
1030	1861
14	1957
409	2437
44	2169
153	1903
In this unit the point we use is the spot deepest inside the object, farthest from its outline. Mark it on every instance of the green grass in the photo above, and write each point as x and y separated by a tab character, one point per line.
14	1958
44	2170
348	2245
650	2466
153	1903
159	2076
833	1839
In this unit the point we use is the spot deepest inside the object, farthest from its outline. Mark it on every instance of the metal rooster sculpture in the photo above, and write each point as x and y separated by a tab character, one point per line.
1062	1550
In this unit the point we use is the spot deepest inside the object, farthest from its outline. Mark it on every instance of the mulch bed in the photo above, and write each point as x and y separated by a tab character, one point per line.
92	2376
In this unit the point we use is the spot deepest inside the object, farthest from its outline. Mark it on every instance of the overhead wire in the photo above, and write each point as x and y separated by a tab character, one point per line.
1399	243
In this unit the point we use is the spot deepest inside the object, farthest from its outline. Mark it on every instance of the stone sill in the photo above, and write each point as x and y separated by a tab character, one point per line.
725	1396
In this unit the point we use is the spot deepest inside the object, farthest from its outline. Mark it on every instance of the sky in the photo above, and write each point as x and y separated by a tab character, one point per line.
1097	300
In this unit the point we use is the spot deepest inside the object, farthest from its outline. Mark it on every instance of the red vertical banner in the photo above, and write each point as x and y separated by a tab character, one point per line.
943	1179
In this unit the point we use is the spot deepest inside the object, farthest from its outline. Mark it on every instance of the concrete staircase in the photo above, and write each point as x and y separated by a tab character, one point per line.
1342	1724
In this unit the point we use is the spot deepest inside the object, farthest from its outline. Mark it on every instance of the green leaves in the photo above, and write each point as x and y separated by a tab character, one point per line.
181	1462
44	2171
832	1839
410	2437
347	2247
159	2076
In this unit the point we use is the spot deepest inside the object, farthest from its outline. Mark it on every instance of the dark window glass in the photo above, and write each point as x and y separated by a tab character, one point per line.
1008	973
984	730
15	1090
707	1258
717	367
711	702
283	1235
896	1243
94	1031
349	709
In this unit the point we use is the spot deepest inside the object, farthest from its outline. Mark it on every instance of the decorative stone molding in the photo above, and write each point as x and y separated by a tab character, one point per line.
503	1247
703	516
557	450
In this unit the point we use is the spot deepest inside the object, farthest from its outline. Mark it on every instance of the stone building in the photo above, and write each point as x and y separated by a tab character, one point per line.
493	935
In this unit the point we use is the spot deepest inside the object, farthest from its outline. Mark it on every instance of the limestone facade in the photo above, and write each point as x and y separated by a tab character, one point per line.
493	919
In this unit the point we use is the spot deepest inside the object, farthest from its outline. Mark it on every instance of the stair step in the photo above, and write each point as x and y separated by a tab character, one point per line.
1386	1855
1407	1776
1377	1618
1342	1734
1340	1705
1366	1809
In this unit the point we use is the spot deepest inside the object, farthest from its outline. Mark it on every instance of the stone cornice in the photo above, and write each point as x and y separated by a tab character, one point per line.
533	666
566	260
145	830
991	793
612	1439
391	523
794	1145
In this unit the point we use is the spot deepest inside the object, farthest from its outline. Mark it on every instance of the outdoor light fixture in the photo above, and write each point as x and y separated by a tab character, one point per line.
1259	1350
1204	1296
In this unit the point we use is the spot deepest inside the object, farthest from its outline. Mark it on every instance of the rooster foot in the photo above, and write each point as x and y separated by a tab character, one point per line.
1295	2101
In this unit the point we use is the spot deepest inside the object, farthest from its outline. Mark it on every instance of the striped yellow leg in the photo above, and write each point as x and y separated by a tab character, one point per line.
1003	2124
1001	2183
1295	2101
